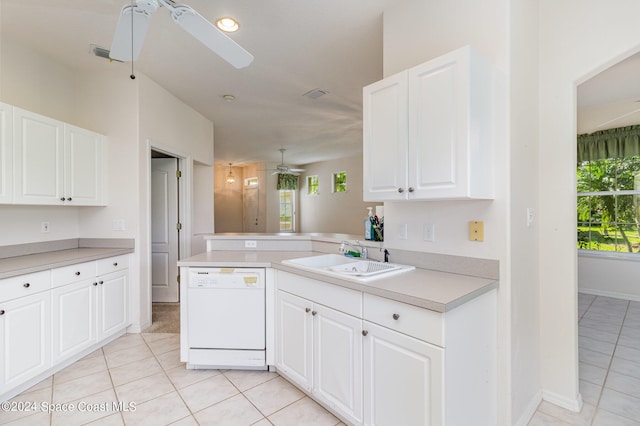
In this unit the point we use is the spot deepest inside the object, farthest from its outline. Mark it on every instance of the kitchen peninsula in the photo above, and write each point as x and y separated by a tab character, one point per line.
418	347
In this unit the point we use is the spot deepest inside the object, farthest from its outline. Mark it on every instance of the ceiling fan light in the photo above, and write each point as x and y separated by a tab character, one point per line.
227	24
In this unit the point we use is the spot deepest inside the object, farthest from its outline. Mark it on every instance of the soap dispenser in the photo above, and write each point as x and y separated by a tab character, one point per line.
368	229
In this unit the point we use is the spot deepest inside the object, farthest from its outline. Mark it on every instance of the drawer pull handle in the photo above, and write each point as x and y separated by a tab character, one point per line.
26	285
307	310
77	273
314	313
396	316
115	264
365	332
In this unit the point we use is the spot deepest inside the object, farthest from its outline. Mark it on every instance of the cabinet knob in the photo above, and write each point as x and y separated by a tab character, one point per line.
95	284
1	311
307	310
62	199
69	199
100	282
410	189
115	263
26	285
77	273
314	313
396	316
401	190
365	332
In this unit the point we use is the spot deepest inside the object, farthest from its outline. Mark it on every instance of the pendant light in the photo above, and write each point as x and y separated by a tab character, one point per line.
230	178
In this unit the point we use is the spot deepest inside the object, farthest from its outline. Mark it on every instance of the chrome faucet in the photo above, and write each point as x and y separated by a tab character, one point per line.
364	253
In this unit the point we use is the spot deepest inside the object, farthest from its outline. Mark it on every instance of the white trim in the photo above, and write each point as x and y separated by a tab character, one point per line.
530	410
609	254
613	294
574	405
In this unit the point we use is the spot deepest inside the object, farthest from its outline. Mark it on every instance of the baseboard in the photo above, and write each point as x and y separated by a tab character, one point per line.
574	405
530	410
613	294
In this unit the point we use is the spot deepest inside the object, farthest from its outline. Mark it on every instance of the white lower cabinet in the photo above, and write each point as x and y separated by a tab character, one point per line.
379	362
74	318
403	379
25	339
52	317
320	350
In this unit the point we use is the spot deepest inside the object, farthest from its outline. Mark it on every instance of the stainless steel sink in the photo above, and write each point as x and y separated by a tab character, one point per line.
347	267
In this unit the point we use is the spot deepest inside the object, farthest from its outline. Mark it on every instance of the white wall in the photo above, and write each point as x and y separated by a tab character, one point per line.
609	276
577	40
333	212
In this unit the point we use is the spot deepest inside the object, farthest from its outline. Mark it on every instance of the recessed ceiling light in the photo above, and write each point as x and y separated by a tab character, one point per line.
227	24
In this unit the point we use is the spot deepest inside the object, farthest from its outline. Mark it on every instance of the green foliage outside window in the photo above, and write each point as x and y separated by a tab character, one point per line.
340	182
312	185
608	204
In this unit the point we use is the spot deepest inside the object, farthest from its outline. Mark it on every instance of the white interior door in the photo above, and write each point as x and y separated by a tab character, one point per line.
251	209
164	231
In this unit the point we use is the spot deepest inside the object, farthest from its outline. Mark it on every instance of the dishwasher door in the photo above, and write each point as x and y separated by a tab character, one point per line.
226	309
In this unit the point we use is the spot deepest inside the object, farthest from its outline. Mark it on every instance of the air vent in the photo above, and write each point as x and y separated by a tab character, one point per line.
315	93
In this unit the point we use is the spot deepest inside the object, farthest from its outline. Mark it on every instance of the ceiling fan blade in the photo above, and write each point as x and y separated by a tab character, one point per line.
122	49
296	170
204	31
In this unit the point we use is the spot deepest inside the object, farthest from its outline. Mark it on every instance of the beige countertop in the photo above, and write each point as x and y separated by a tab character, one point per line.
434	290
20	265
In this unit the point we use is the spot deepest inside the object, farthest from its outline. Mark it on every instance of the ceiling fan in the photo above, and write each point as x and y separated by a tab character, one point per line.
135	19
283	168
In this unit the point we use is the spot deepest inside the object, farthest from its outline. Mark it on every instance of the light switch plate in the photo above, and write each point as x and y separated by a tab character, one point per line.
402	231
476	231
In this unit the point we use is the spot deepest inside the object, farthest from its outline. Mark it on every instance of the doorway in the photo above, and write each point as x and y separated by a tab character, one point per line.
165	242
251	206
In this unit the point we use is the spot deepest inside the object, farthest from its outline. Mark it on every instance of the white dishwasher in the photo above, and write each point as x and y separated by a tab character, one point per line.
226	318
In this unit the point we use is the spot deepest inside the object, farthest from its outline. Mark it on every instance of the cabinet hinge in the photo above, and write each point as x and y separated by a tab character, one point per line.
179	226
178	174
178	278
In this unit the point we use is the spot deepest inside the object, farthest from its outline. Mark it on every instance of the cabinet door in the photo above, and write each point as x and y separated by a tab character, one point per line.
337	361
403	379
385	139
39	162
6	153
113	301
83	167
294	336
74	318
25	339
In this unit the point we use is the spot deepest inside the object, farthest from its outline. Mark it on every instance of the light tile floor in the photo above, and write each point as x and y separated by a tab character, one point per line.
144	370
609	370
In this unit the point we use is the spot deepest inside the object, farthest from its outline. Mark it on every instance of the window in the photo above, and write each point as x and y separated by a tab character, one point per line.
340	182
312	185
251	181
287	213
608	204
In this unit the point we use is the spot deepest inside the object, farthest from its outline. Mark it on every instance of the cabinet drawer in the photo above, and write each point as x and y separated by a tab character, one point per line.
339	298
72	273
24	285
411	320
112	264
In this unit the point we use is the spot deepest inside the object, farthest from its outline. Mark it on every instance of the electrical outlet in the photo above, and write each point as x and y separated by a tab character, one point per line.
117	225
402	231
429	232
44	227
250	244
530	216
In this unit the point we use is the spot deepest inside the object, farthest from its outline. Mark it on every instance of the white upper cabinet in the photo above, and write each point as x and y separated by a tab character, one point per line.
6	153
428	131
56	163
